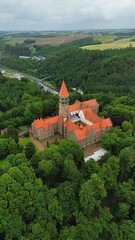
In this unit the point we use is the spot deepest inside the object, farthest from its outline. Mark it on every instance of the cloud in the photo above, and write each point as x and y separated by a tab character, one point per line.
63	14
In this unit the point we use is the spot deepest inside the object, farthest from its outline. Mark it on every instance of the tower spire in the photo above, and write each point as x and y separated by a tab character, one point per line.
63	101
63	91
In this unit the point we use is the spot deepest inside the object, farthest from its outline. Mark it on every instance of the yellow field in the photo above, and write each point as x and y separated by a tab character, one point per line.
122	43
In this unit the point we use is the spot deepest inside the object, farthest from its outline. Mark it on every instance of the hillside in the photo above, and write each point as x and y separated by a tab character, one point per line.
92	71
53	194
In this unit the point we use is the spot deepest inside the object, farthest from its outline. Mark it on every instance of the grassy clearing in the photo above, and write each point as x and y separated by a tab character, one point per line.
23	127
122	43
105	39
25	140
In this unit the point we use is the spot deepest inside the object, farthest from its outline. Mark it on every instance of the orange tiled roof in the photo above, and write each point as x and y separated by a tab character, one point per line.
90	103
74	107
106	123
38	123
81	105
45	123
70	125
89	115
87	128
80	134
63	91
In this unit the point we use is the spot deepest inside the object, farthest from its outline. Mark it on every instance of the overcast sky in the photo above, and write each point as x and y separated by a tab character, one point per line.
66	14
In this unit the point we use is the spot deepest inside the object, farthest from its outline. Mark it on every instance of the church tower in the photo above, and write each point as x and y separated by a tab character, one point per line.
63	101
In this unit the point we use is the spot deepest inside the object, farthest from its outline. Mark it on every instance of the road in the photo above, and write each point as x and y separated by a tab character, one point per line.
37	80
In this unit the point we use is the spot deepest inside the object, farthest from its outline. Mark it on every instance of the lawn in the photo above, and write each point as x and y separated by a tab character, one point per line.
122	43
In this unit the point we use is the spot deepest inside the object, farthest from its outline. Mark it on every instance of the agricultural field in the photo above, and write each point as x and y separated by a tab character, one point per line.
105	39
122	43
54	41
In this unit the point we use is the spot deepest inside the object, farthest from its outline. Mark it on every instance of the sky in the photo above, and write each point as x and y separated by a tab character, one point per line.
28	15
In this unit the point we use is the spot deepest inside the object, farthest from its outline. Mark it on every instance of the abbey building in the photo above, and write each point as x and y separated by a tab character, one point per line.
79	121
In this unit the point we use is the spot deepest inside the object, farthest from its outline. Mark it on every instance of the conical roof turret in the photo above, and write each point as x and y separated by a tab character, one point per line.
63	91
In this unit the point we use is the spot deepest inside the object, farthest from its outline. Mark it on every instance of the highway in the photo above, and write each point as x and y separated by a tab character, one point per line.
34	79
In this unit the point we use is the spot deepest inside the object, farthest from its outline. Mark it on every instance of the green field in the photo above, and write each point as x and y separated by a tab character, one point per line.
14	41
122	43
105	39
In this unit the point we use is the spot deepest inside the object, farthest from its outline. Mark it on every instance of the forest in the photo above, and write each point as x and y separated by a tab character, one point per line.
54	194
92	71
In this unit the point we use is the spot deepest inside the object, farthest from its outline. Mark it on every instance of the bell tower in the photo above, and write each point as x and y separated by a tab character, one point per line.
63	101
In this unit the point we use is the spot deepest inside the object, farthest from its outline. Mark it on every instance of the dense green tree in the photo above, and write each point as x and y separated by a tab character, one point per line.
127	162
92	193
13	200
68	146
122	211
30	150
125	192
13	146
4	148
127	127
110	173
12	132
17	159
67	197
90	167
70	171
127	230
